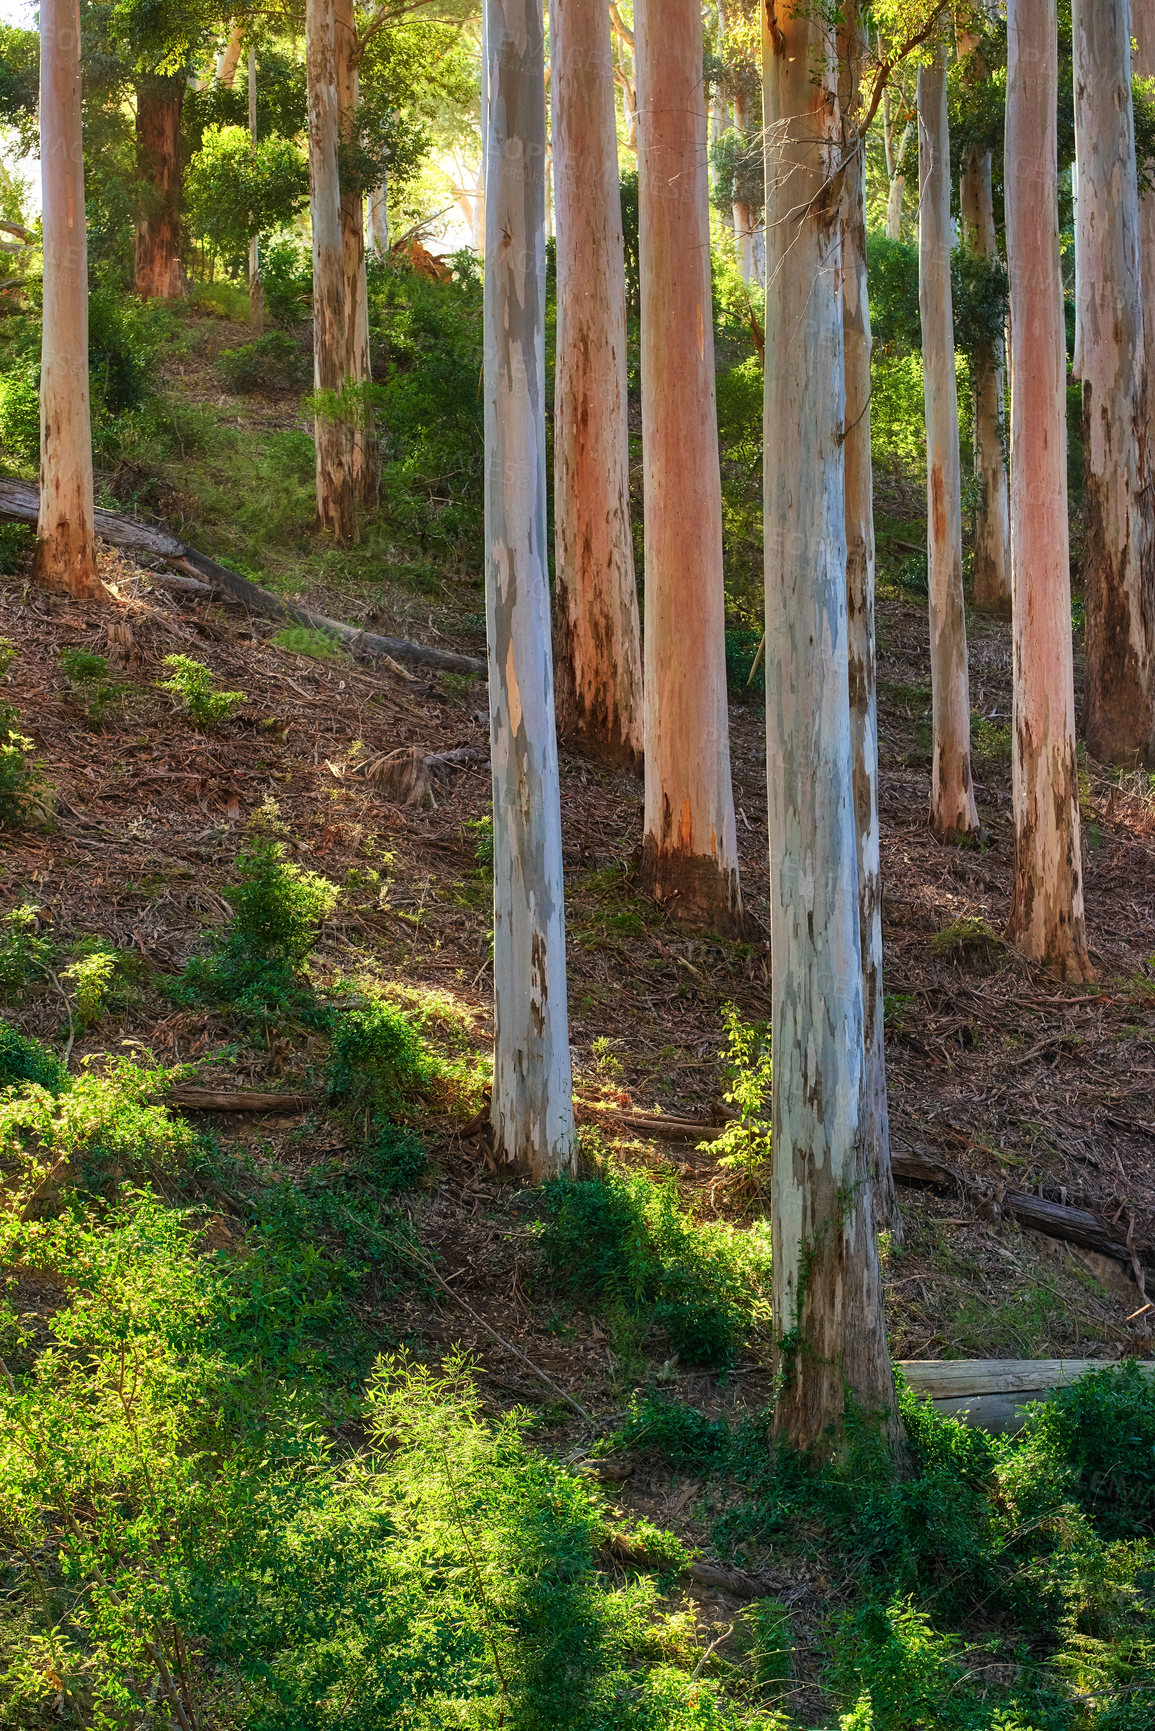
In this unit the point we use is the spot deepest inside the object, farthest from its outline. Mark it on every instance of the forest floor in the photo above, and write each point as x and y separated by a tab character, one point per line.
992	1064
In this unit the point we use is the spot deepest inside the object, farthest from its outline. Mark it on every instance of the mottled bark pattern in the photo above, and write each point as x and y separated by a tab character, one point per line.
597	636
689	850
358	370
1143	63
829	1328
1047	910
64	558
333	435
859	483
952	801
532	1110
256	293
157	272
1119	530
992	572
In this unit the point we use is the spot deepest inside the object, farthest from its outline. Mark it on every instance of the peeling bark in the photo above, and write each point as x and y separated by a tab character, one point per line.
597	636
331	322
992	552
689	850
358	370
863	680
65	554
1119	534
1047	911
952	802
157	273
256	293
830	1336
1143	63
532	1102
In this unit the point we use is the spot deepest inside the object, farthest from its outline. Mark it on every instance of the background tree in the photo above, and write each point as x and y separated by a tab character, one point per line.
597	637
65	552
1047	911
332	315
1119	528
689	851
828	1321
532	1101
953	810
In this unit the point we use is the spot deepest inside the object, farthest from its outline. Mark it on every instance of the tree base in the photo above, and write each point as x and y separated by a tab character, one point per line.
66	570
696	892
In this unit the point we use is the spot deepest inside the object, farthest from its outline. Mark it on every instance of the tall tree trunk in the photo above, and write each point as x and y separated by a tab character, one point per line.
689	851
1143	33
1119	532
65	556
992	578
333	432
895	170
532	1111
596	634
230	58
953	810
1047	911
358	371
379	220
256	293
860	571
830	1335
158	166
743	221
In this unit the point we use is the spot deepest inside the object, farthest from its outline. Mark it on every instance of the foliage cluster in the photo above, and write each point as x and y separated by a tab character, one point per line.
191	684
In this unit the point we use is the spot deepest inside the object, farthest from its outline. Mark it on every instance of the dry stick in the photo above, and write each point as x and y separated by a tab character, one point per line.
68	1007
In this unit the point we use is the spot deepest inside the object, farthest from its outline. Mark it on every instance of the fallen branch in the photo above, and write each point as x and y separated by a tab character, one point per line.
20	503
659	1124
235	1100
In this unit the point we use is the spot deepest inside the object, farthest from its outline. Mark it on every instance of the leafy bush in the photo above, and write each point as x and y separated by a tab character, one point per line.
274	361
19	781
1104	1428
20	412
23	1060
98	978
24	955
623	1242
379	1063
191	682
304	640
88	676
287	279
742	685
744	1146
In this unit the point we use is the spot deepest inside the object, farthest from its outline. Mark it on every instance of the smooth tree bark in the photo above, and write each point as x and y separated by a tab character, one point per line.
379	219
992	543
230	58
532	1100
953	811
895	169
157	273
332	430
596	633
830	1336
862	660
1143	63
1047	920
65	557
1119	528
358	370
689	848
256	293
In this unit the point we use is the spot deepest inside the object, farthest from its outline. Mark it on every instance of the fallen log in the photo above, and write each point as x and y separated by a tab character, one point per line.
990	1393
235	1100
19	503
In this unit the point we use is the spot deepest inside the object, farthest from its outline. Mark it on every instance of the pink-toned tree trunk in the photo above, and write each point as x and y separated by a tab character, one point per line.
895	169
65	555
230	58
992	550
1143	63
532	1102
1119	526
689	850
256	293
332	431
1047	912
358	370
157	270
829	1327
596	634
860	576
953	811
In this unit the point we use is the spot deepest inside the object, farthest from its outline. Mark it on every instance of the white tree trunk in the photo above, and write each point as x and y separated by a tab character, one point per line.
230	59
992	571
1047	911
256	294
597	635
333	434
1119	532
65	555
1143	34
358	368
532	1110
953	810
828	1319
860	572
379	220
689	851
897	173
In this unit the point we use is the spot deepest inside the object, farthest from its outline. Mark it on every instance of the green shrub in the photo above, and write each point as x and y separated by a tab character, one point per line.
192	684
395	1158
16	541
287	279
273	362
303	640
88	676
8	654
20	412
678	1432
93	977
744	1146
623	1242
1104	1428
741	648
24	955
379	1062
23	1060
20	785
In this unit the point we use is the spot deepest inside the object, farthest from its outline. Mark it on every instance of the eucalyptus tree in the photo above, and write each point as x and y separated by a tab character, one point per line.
65	556
953	811
332	426
1110	360
829	1327
358	367
1047	919
596	634
256	295
532	1099
689	849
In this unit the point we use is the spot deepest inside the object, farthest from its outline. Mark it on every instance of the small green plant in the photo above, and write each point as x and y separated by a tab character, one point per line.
25	956
21	790
8	654
94	978
191	683
303	640
967	940
88	676
604	1057
481	830
23	1060
990	742
744	1146
379	1062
